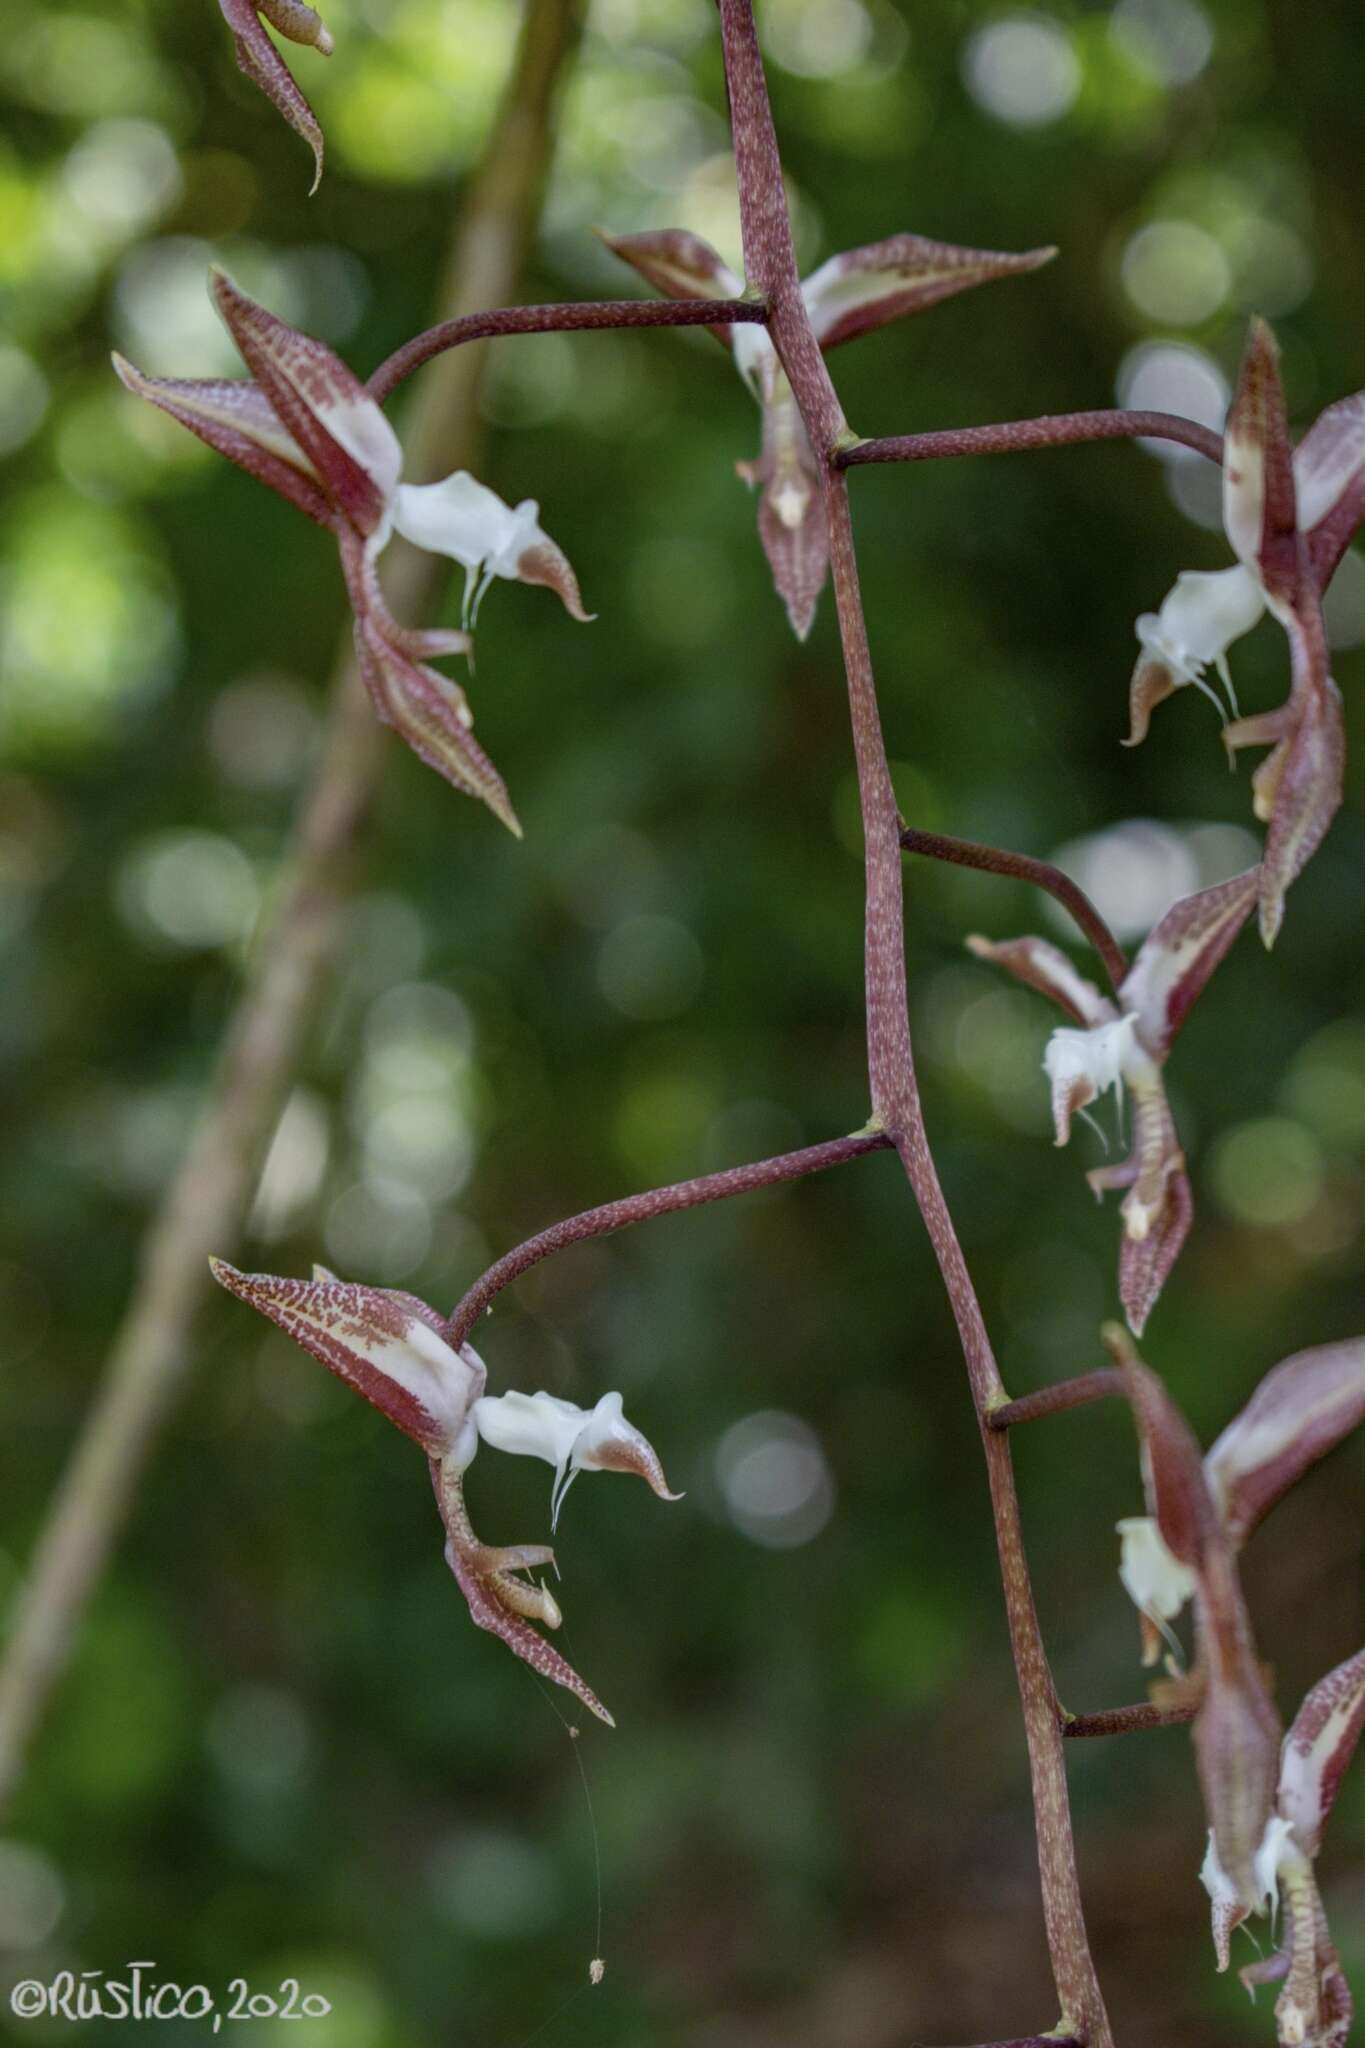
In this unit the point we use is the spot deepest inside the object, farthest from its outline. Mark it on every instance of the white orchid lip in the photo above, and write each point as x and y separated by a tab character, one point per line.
1200	617
570	1438
1084	1064
464	519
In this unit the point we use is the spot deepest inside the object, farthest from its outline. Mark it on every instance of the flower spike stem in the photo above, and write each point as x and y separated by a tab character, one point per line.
1020	867
770	268
1126	1720
685	1194
204	1207
592	315
1054	1400
1053	430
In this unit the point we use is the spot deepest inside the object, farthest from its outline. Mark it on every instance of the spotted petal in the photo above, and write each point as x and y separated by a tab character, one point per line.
324	408
1175	961
236	419
261	62
1300	1411
1318	1748
389	1346
865	288
1329	476
1259	506
1041	965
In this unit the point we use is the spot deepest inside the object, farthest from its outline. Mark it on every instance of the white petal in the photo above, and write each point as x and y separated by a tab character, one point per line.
365	434
755	357
530	1425
462	518
1203	613
1099	1055
1155	1581
1243	497
1275	1851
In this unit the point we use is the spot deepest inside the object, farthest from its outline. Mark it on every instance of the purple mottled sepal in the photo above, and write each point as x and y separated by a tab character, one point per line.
865	288
388	1346
1300	1411
261	62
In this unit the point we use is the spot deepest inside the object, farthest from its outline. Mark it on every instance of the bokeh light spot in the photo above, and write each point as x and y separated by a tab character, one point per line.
649	968
195	888
1268	1171
1022	69
775	1479
1175	272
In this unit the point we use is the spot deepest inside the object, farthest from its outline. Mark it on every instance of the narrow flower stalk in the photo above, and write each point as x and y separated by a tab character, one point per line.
642	1208
1055	1400
1129	1720
1022	867
593	316
1052	430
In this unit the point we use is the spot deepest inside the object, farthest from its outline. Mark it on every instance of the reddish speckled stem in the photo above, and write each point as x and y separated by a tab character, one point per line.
684	1194
1021	867
1124	1720
1053	430
1053	1400
770	268
592	316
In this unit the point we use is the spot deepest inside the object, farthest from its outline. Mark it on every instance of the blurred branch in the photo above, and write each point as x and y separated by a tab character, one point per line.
592	315
1053	430
684	1194
1021	867
204	1208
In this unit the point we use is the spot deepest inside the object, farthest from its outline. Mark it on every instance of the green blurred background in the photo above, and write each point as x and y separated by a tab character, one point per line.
283	1749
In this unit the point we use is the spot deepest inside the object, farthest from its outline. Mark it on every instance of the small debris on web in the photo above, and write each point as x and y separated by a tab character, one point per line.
597	1969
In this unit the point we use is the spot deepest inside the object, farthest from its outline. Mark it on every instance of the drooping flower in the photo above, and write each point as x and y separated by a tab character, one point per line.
1266	1811
1289	515
394	1351
310	430
1236	1730
261	62
845	297
1123	1044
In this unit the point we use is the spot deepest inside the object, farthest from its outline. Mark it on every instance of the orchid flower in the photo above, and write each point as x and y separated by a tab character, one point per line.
1236	1730
310	430
861	289
1266	1809
1123	1045
261	62
394	1351
1289	515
